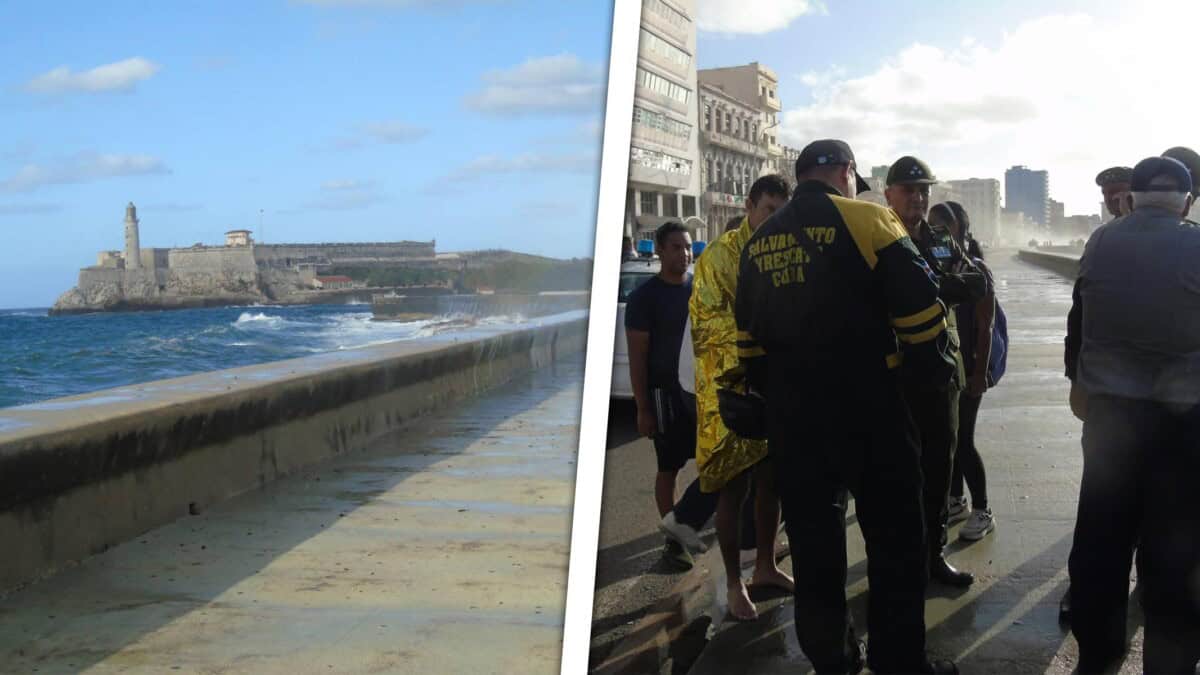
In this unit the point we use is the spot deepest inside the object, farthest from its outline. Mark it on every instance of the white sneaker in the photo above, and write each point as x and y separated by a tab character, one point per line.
957	509
686	536
978	525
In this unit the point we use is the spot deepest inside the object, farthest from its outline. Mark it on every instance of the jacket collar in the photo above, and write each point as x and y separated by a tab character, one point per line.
813	186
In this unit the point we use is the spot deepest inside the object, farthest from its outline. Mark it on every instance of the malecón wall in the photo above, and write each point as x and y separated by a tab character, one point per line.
1063	264
81	474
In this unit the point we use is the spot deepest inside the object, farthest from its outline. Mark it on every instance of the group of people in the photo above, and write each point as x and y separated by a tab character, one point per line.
827	348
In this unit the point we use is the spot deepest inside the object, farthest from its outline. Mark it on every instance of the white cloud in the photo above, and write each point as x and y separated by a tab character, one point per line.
551	84
1069	94
752	17
342	185
83	168
119	76
28	209
383	132
490	167
346	195
393	131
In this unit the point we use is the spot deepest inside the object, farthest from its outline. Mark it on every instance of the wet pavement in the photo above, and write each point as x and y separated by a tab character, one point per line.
407	557
1007	622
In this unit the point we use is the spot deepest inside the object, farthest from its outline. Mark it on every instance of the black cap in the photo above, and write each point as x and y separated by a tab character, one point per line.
1114	174
826	152
1152	167
1191	160
909	169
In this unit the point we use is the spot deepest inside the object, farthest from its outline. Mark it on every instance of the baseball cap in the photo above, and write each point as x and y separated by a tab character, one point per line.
1191	160
825	152
909	169
1115	174
1152	167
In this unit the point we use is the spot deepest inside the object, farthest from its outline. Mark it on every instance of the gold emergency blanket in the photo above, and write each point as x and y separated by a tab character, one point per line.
720	454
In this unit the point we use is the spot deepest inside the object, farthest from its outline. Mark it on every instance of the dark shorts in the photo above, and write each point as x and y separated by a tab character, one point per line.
675	439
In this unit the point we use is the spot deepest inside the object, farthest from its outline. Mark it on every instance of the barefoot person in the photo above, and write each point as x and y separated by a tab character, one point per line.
728	463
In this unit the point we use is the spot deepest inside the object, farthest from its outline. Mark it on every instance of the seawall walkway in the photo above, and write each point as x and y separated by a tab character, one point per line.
440	547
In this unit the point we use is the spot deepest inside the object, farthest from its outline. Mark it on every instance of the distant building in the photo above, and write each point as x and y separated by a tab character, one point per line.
1028	191
758	85
980	197
732	156
238	238
1057	214
664	155
332	282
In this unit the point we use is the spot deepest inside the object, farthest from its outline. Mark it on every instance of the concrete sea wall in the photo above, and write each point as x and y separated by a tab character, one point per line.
81	474
1064	264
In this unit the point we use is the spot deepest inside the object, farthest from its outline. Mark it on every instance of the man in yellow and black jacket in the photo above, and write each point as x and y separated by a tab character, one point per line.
835	308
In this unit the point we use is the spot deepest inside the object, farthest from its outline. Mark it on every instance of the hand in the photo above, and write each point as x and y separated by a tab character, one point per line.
976	385
1079	402
646	424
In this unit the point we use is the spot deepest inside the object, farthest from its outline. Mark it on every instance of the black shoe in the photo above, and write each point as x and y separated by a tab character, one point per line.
1064	607
943	572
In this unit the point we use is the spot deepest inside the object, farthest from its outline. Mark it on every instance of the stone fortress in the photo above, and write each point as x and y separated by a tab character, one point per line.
240	272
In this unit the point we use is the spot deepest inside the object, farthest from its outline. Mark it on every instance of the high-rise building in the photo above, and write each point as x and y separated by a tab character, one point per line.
1028	191
664	175
980	197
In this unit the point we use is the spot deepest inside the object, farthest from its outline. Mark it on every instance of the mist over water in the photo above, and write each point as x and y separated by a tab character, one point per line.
44	357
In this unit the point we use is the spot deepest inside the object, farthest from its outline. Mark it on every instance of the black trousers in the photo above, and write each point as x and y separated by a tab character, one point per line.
1141	460
968	463
827	437
694	507
935	414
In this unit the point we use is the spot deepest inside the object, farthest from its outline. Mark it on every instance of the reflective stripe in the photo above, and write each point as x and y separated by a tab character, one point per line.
895	360
913	320
925	335
745	335
750	352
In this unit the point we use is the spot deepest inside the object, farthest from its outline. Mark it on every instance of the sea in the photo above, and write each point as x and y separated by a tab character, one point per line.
44	357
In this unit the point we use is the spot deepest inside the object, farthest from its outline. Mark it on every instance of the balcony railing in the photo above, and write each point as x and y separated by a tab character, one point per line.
734	143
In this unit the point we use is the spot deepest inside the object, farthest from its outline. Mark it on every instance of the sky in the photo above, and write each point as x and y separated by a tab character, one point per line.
973	88
473	122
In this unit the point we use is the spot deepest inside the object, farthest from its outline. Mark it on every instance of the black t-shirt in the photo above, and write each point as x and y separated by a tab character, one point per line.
660	309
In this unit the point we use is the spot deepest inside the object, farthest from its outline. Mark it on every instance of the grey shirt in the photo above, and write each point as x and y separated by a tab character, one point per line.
1139	284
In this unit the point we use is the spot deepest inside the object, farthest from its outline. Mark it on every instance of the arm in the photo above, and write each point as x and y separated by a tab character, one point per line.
985	314
1074	343
638	342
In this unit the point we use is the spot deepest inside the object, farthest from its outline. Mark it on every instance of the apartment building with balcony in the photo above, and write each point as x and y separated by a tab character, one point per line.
664	154
731	151
757	85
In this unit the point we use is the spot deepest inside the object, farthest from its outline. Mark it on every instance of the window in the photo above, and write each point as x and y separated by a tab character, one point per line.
649	203
652	159
659	121
664	49
728	121
670	14
670	206
689	206
708	116
663	86
770	93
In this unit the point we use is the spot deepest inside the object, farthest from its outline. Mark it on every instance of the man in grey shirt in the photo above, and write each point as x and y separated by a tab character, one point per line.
1133	356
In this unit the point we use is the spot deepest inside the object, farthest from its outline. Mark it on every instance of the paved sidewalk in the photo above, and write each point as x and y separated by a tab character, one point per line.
443	548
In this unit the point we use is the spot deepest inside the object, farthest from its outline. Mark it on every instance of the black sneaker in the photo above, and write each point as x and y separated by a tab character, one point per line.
677	557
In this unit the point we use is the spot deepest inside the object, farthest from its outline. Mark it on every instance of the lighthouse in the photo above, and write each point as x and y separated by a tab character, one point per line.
133	251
